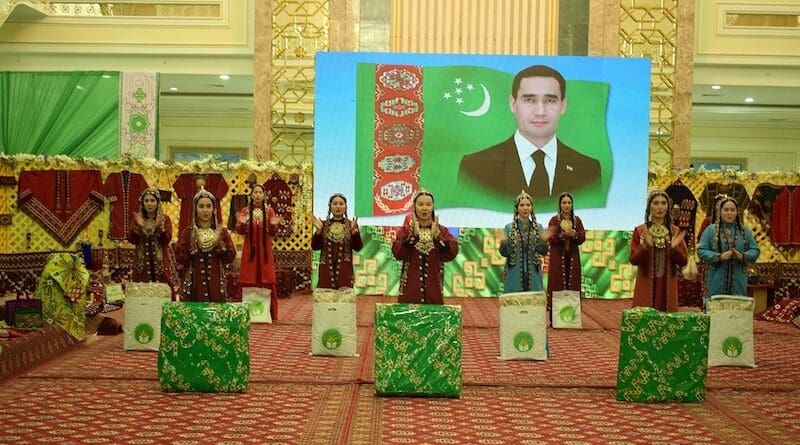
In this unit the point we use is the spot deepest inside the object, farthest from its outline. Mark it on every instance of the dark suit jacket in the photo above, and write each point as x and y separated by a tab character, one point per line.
497	169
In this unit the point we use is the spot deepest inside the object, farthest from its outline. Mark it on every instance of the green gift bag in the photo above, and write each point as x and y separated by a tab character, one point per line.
663	356
418	350
204	347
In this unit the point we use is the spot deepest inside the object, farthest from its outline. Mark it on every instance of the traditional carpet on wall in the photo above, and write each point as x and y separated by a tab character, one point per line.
134	411
545	416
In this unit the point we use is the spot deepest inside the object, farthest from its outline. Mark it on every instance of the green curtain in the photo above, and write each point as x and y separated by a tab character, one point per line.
67	113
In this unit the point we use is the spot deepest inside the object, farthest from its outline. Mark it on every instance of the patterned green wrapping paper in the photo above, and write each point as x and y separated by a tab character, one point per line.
204	347
62	289
418	350
663	356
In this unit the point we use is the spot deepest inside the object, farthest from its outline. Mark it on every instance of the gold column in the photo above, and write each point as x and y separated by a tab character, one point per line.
344	27
262	81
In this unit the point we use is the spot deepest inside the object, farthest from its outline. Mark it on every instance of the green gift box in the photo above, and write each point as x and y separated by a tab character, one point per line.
663	356
418	350
204	347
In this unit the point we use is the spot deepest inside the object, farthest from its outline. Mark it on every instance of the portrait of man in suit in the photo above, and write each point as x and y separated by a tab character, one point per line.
533	159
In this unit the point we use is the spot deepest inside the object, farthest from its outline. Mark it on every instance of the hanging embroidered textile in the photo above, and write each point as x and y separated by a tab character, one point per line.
188	184
279	197
62	201
137	114
122	190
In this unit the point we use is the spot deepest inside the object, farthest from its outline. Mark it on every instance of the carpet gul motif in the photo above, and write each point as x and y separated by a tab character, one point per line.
772	415
528	416
138	412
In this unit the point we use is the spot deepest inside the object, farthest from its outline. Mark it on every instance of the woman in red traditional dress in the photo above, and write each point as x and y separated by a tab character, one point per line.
204	249
658	249
336	238
424	246
258	223
151	234
565	258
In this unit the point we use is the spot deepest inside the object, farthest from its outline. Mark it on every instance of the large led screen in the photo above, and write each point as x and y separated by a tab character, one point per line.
388	124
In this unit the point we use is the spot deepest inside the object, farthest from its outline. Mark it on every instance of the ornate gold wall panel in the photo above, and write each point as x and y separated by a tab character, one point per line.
300	29
475	26
662	31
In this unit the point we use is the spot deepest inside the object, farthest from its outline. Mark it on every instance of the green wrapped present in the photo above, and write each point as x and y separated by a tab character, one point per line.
62	289
204	347
418	350
663	356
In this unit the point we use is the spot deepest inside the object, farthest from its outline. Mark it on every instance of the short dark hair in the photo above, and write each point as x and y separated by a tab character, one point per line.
539	71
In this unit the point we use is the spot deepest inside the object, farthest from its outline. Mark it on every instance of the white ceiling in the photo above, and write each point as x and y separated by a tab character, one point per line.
773	107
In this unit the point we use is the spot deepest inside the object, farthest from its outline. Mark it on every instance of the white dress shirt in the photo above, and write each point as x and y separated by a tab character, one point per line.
525	150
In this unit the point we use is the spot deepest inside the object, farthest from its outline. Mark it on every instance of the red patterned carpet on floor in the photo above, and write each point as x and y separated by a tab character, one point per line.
99	393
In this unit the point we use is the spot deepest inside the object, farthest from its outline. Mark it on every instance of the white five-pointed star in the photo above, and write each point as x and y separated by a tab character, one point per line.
458	81
470	87
459	91
459	100
447	95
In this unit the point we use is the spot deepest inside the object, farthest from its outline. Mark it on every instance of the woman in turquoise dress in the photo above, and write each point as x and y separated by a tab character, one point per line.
727	247
523	243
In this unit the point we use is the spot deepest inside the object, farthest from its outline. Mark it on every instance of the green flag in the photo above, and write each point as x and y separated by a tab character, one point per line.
465	109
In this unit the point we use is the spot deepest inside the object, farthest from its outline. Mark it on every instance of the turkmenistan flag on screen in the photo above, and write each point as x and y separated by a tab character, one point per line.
464	109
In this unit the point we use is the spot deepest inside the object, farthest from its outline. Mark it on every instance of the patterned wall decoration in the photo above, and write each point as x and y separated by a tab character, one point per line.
648	30
697	182
300	29
25	235
138	114
663	32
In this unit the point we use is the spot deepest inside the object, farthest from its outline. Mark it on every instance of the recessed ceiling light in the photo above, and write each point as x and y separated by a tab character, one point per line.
716	87
173	88
749	100
224	76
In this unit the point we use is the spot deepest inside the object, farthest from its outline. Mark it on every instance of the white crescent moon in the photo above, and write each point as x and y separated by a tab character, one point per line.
487	101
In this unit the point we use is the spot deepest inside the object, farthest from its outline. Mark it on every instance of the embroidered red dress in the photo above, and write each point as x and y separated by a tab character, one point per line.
423	268
258	261
656	281
64	202
204	264
336	244
122	190
565	257
153	260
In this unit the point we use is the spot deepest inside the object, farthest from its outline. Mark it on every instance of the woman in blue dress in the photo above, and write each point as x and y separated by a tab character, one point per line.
727	246
524	243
